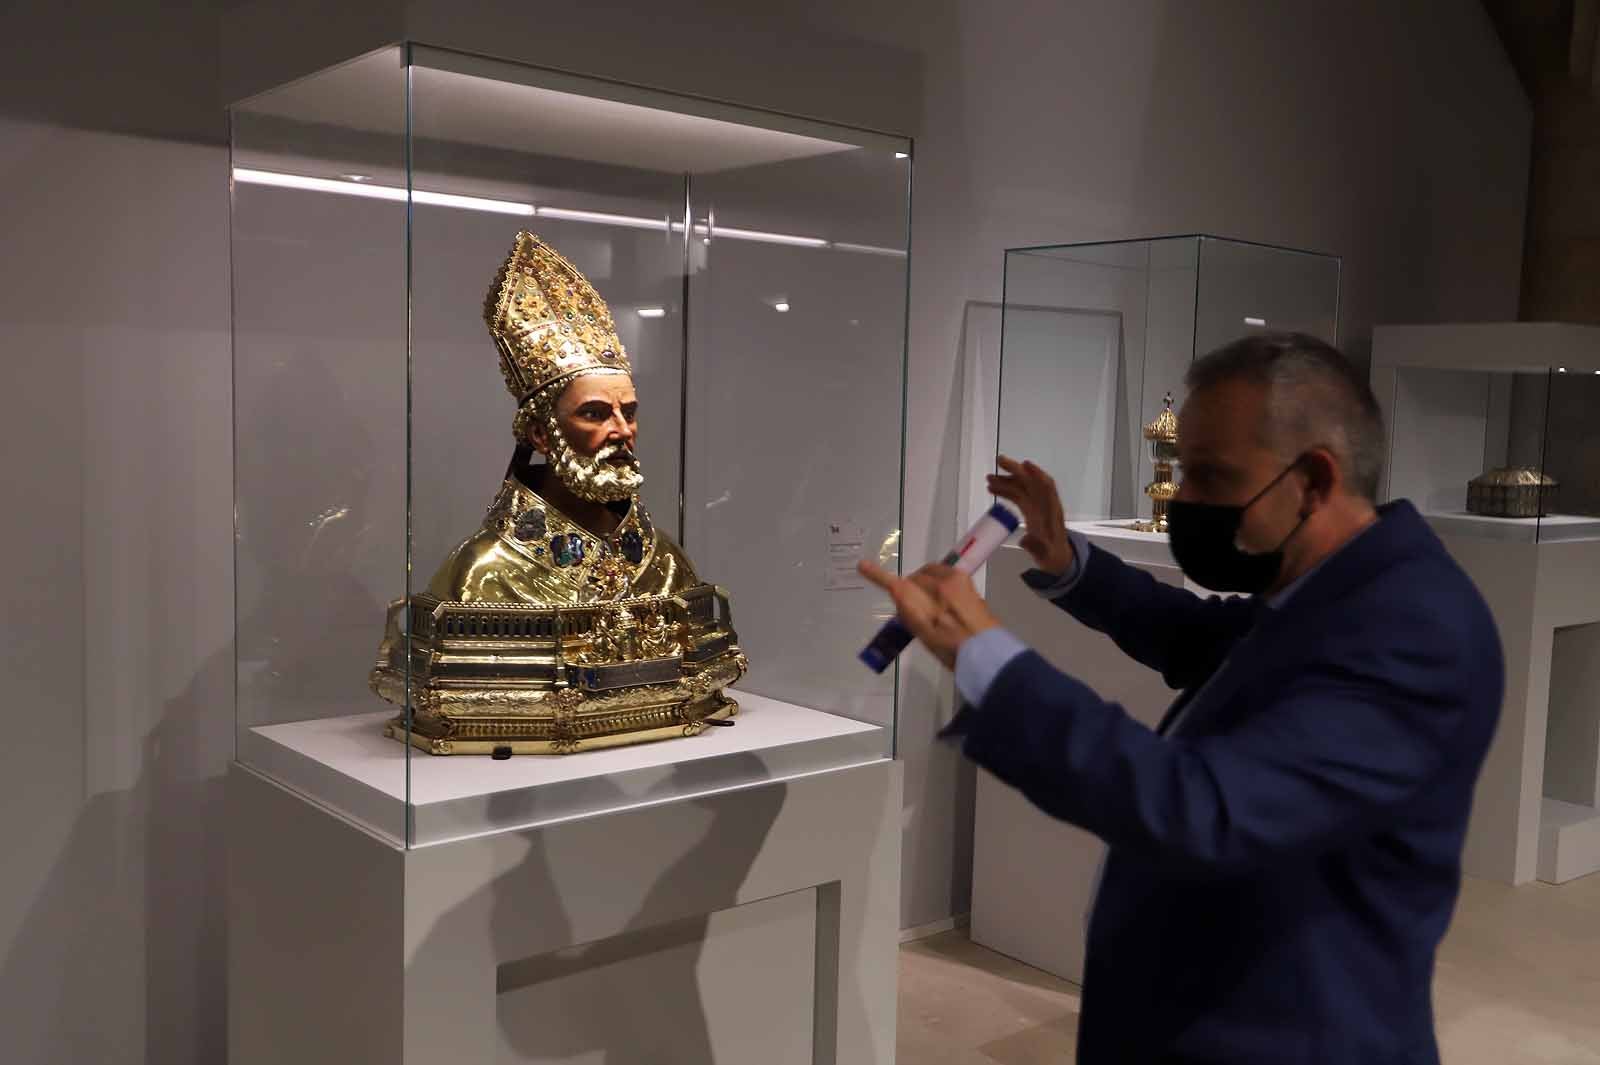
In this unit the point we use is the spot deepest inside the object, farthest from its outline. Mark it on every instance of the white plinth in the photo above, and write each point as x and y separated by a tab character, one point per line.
1552	528
1033	876
348	763
1543	599
1128	544
1569	841
752	920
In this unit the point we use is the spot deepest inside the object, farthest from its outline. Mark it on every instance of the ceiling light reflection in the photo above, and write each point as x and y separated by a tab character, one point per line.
247	176
360	185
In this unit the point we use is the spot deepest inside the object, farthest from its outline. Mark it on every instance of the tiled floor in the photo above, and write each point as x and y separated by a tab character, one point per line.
1518	984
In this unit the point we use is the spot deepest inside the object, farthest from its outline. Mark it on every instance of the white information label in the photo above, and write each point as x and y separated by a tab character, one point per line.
845	540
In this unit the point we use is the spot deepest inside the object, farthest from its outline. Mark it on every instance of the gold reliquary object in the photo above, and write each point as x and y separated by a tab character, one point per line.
1512	492
1162	436
521	679
568	620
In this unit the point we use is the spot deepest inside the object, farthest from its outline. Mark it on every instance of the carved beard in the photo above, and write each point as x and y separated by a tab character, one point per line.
592	477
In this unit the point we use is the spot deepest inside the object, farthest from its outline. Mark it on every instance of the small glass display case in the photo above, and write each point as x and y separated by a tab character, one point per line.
1095	342
431	619
1491	426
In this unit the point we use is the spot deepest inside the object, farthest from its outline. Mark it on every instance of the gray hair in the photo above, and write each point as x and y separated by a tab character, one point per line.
1315	398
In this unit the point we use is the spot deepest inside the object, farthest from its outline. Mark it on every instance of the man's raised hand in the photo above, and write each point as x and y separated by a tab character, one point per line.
1034	493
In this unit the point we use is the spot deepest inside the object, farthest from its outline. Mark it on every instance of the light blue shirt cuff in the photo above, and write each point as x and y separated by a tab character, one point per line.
981	659
1068	580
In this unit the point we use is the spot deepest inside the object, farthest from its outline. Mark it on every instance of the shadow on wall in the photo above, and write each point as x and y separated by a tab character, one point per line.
120	950
140	876
162	66
140	68
647	1012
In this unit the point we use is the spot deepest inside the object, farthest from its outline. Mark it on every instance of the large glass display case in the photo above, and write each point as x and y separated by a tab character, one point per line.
749	268
1095	342
1490	426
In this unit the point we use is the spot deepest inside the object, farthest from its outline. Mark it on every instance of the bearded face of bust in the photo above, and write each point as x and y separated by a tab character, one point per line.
587	432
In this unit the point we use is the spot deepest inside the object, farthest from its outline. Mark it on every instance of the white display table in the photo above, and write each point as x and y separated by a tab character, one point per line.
1033	876
1536	812
734	899
1552	528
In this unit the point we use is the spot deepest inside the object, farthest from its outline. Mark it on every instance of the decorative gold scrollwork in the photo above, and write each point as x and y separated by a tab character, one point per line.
563	719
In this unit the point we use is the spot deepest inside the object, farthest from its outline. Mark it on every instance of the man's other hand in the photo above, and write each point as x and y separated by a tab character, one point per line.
941	606
1034	493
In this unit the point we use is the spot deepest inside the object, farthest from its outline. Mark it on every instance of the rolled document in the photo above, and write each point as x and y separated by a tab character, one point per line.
991	530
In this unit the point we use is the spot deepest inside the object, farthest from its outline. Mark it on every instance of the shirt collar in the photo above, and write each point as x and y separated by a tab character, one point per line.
1276	600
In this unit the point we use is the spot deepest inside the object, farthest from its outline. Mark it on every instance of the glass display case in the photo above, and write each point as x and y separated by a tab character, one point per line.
419	231
1095	342
1491	437
1490	427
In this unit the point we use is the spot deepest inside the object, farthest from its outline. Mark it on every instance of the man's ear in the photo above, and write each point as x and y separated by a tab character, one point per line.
1323	475
540	439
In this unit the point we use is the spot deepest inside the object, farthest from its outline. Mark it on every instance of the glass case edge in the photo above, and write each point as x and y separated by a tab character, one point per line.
233	411
1176	236
398	46
905	397
477	64
410	750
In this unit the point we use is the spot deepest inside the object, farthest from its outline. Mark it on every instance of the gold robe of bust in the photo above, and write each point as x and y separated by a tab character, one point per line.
511	559
538	636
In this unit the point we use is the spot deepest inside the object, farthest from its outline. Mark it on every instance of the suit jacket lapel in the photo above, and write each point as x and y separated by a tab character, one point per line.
1176	708
1401	531
1220	687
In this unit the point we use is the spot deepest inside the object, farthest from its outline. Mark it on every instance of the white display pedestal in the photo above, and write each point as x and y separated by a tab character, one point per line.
1552	528
1033	875
1536	812
347	763
719	909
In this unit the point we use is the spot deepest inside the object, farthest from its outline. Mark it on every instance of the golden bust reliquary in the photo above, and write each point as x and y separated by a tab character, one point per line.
541	634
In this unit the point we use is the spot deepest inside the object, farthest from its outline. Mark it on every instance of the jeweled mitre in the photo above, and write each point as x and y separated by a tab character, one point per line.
548	321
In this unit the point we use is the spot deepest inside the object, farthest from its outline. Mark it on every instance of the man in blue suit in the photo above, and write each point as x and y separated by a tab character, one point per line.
1285	848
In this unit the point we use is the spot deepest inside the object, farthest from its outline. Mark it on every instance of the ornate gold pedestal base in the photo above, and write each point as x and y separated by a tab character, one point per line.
437	734
1150	526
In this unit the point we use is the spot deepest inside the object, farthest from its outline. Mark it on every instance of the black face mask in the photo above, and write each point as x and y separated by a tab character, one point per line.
1203	542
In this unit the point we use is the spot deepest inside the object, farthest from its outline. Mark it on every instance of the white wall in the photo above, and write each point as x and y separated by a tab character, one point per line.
1393	134
116	647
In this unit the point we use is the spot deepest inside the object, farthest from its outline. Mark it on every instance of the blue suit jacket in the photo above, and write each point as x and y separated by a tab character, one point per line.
1284	865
